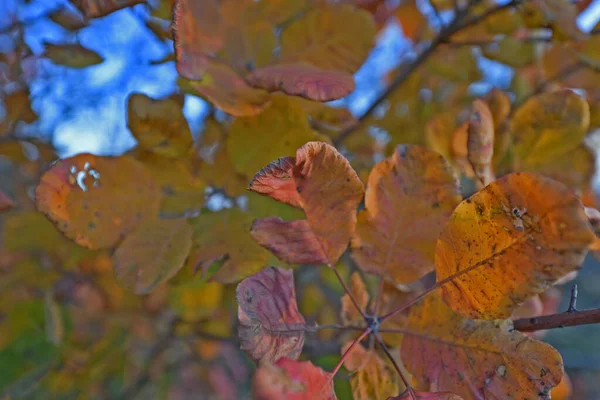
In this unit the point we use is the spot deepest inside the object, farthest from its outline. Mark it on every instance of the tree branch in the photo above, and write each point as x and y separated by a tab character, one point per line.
457	24
560	320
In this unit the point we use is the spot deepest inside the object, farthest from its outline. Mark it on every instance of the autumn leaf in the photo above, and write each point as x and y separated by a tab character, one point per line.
250	41
159	124
270	325
476	359
225	235
416	395
370	376
292	380
508	242
71	55
198	31
303	80
95	200
480	142
548	126
283	127
328	190
69	20
335	37
5	201
152	254
559	15
223	87
101	8
409	198
349	314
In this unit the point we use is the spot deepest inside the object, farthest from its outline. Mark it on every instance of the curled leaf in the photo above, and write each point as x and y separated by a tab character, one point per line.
409	198
152	254
95	200
508	242
476	359
271	327
301	79
327	189
292	380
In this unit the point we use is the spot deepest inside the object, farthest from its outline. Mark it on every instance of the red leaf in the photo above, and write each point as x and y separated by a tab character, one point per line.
303	79
290	241
426	396
325	186
292	380
270	325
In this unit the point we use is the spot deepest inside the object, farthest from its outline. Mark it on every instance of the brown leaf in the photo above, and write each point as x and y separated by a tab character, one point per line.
328	190
371	377
198	32
409	198
302	79
508	242
407	395
71	55
5	202
152	254
476	359
292	380
101	8
223	87
480	142
270	325
292	242
335	37
349	313
95	200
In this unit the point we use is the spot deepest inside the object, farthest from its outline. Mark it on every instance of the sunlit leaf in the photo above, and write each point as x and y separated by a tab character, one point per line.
549	125
253	142
101	8
409	198
508	242
97	200
223	87
159	125
371	377
303	80
293	380
336	37
152	254
328	190
270	325
476	359
71	55
225	234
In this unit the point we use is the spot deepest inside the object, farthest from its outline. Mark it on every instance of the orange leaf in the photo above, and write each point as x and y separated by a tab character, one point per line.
271	327
349	313
5	202
301	79
336	37
292	380
198	31
223	87
480	142
97	200
426	396
152	254
410	196
327	189
508	242
476	359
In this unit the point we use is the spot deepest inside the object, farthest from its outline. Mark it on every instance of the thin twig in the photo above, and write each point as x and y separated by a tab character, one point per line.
378	296
348	292
561	320
345	355
393	360
573	299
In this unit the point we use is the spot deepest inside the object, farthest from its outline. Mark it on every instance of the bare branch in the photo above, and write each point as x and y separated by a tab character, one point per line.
561	320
